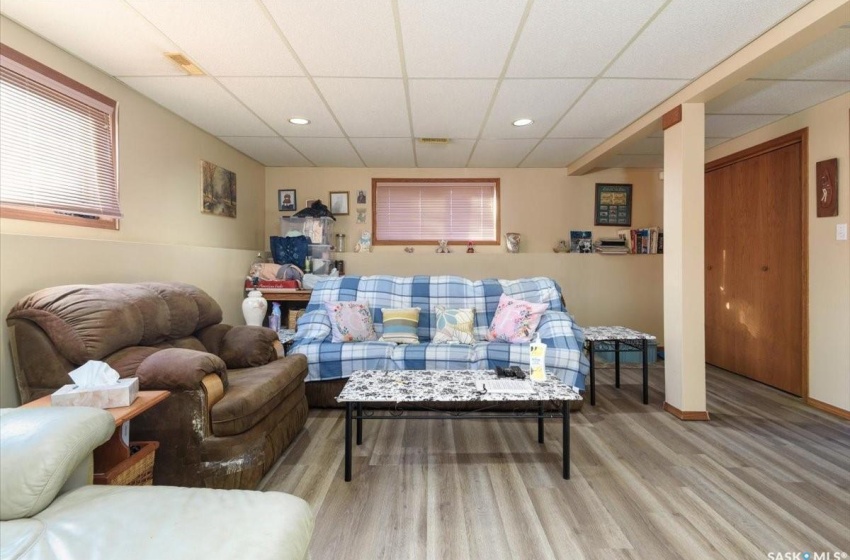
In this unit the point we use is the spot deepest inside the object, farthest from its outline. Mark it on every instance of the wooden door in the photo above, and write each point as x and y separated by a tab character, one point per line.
755	264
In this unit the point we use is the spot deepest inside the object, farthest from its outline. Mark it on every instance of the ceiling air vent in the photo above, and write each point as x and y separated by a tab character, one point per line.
187	65
434	140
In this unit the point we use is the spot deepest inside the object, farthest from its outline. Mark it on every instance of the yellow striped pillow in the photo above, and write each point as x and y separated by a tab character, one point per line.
400	325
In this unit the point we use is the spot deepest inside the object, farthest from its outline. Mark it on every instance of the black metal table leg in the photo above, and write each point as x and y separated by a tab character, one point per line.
359	423
617	364
565	411
592	375
349	406
540	422
645	372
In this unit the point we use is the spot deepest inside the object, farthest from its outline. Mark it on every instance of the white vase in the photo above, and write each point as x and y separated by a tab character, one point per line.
254	308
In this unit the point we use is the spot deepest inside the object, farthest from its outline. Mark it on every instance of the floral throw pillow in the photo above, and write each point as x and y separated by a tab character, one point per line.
515	320
351	321
454	325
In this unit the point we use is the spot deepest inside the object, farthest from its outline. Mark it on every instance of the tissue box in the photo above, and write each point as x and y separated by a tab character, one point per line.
122	393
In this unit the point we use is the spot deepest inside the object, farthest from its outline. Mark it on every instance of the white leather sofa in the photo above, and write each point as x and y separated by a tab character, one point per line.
49	509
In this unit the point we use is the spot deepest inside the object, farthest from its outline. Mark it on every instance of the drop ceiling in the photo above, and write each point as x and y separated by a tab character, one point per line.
374	75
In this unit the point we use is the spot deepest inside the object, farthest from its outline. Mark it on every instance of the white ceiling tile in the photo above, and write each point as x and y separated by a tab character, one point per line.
730	126
341	38
610	105
233	38
367	107
645	146
385	152
453	154
826	59
450	39
559	152
276	100
543	101
327	152
634	160
500	153
691	36
270	151
774	97
449	108
117	39
576	39
202	102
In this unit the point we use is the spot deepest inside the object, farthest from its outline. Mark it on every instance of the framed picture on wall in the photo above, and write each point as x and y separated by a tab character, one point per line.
613	205
286	201
339	203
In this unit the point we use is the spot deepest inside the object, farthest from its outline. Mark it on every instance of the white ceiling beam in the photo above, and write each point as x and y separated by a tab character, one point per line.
801	28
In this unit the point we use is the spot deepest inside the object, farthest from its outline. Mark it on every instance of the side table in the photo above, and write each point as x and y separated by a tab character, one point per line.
117	450
617	339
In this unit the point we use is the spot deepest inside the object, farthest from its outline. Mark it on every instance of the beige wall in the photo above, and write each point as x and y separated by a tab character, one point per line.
829	260
163	234
541	204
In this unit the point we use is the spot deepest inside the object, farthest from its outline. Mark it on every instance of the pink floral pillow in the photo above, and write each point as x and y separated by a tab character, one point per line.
515	320
351	321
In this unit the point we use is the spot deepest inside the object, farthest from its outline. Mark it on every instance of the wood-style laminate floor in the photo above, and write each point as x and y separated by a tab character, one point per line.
766	474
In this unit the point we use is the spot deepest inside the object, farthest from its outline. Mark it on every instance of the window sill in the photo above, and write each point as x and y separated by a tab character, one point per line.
53	218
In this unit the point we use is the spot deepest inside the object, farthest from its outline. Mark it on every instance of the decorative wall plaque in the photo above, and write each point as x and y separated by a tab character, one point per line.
826	187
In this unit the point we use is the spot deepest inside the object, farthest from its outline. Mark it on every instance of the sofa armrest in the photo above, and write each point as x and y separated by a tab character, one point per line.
246	346
40	448
179	368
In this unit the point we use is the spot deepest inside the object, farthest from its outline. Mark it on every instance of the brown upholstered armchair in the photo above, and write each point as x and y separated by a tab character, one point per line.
234	404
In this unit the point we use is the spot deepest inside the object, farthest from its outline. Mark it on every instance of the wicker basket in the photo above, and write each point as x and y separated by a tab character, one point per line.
294	315
136	470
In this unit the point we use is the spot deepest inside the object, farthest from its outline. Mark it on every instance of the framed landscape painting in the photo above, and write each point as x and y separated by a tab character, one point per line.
218	190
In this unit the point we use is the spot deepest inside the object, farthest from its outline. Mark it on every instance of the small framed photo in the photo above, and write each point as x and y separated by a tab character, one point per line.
361	197
286	201
310	202
339	203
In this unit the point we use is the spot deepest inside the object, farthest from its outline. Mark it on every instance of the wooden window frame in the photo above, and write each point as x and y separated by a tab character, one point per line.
498	220
56	216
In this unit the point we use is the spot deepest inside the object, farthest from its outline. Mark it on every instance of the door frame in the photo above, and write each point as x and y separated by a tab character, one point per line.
797	137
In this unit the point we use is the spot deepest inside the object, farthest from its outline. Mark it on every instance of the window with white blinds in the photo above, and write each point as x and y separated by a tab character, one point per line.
57	146
428	210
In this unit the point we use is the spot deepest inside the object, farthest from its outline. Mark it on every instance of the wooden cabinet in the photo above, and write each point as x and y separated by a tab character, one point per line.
755	262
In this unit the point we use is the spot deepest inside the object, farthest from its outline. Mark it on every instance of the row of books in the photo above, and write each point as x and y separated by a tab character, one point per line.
648	241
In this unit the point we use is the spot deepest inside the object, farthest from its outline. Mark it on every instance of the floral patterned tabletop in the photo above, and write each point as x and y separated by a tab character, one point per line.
614	333
442	386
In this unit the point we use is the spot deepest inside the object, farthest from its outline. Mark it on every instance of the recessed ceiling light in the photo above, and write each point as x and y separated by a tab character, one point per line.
299	120
523	122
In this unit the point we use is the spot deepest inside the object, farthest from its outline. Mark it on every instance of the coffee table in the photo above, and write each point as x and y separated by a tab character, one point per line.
415	387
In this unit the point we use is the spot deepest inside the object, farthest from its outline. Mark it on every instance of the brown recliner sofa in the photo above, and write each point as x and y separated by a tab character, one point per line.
234	404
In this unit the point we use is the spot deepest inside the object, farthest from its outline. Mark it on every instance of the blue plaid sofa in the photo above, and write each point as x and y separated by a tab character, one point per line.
329	360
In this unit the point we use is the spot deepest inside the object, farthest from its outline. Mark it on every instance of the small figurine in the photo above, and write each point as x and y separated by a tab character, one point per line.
365	243
470	248
561	247
444	247
408	249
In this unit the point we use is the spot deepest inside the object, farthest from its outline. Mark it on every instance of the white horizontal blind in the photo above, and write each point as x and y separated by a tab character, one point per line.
57	144
430	210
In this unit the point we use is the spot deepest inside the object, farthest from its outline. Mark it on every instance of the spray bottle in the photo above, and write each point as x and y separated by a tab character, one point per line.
274	318
537	358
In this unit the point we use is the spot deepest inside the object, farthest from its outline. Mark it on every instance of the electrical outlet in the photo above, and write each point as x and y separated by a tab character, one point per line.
841	232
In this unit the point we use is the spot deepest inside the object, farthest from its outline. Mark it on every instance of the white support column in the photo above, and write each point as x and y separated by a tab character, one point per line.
684	262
